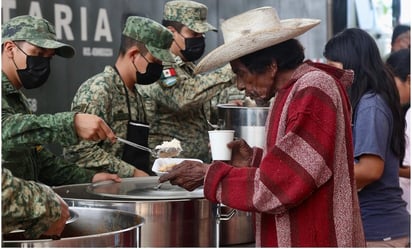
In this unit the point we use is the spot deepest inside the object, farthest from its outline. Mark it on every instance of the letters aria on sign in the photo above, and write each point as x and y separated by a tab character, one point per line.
63	17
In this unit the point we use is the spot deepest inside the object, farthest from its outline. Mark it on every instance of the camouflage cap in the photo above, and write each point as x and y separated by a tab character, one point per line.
189	13
37	31
153	35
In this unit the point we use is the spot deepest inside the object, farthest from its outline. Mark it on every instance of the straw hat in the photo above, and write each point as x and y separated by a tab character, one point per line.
252	31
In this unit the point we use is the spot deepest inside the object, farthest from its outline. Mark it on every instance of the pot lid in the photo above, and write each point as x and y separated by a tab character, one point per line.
143	188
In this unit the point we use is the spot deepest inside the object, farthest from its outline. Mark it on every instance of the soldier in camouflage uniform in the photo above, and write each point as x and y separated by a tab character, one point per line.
28	44
30	206
112	94
179	104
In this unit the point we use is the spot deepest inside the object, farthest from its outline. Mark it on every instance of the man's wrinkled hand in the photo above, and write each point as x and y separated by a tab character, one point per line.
242	153
187	174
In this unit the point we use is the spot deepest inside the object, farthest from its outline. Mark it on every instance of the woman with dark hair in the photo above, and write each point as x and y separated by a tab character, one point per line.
400	64
378	136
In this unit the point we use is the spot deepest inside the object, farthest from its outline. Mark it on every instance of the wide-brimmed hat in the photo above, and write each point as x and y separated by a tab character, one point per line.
190	13
252	31
37	31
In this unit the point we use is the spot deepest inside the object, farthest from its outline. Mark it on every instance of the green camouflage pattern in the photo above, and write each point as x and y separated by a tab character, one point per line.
190	13
180	111
228	95
153	35
27	205
37	31
24	133
104	96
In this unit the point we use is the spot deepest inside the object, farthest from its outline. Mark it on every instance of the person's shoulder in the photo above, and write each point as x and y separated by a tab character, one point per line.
373	100
101	80
170	76
316	78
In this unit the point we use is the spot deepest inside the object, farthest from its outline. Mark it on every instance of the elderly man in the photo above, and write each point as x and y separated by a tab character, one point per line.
301	185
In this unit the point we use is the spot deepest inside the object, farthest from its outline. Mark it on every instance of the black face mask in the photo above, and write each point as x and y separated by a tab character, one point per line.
36	73
152	74
195	47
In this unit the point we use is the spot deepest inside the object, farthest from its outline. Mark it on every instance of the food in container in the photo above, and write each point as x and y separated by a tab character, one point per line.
163	165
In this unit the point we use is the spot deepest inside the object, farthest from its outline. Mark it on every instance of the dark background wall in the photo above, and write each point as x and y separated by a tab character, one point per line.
93	27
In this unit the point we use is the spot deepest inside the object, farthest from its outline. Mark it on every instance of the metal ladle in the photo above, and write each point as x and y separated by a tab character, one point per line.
219	126
155	153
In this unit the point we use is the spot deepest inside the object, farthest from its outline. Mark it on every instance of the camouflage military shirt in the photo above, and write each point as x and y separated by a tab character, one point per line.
175	106
23	135
104	95
27	205
228	95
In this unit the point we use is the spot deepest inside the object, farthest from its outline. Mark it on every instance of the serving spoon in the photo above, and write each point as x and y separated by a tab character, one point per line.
156	153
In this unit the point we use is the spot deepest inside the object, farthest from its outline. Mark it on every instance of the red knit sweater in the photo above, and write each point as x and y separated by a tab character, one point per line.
302	188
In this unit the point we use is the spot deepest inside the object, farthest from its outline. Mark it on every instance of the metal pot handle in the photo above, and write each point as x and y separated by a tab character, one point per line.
228	216
221	217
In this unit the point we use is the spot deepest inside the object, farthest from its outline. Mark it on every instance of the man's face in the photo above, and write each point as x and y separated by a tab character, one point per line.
141	61
29	49
14	57
179	39
404	89
402	41
258	86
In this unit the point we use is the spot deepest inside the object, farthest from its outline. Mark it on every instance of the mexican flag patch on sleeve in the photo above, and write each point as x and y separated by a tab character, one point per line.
168	77
168	72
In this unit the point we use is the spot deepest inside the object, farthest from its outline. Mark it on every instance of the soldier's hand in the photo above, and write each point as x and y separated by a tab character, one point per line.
57	227
105	177
92	127
138	172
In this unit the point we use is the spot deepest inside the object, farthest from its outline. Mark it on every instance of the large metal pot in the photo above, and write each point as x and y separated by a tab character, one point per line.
248	122
94	227
170	220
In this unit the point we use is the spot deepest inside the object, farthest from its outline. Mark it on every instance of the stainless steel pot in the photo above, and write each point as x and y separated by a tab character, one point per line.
169	222
248	122
94	227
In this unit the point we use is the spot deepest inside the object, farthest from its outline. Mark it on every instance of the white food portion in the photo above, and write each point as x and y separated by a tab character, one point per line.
170	148
161	166
174	143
